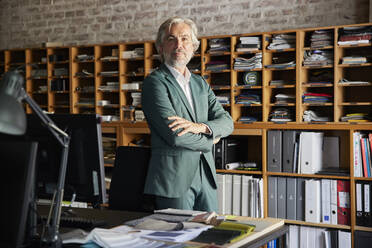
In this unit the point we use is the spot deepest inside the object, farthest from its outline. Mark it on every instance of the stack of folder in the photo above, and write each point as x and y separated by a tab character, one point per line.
362	154
321	38
355	35
247	44
318	201
282	41
363	202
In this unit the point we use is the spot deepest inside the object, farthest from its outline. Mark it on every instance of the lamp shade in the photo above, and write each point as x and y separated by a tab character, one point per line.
12	114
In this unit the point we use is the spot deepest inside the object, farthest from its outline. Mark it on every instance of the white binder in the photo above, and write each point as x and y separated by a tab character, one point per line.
312	201
221	193
237	194
311	152
334	202
326	201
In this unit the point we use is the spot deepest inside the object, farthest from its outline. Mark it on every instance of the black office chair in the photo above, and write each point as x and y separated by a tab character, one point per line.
128	180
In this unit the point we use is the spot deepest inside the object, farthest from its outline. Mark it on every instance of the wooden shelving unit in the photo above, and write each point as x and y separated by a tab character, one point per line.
85	93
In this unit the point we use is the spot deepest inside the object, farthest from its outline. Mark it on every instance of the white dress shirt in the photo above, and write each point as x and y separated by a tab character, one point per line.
184	82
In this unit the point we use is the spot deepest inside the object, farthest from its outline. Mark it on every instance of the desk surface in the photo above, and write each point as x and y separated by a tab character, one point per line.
266	230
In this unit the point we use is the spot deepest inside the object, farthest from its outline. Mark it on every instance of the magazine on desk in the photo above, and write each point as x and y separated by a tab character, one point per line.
146	231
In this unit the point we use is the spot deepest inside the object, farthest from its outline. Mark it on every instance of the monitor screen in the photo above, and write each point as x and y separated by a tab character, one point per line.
85	176
16	189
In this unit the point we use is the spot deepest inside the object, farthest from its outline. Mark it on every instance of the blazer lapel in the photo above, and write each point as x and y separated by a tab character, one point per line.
181	94
195	94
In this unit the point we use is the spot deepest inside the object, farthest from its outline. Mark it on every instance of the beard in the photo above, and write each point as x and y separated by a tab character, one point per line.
173	60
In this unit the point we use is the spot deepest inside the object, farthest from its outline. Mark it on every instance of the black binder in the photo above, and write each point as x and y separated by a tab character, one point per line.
362	239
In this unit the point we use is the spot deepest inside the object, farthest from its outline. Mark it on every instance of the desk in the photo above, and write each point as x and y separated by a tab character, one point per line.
115	218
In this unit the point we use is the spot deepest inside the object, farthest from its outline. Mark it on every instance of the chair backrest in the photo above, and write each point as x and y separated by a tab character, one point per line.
128	179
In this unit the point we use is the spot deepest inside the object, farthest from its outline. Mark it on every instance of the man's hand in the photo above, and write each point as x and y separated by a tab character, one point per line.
187	126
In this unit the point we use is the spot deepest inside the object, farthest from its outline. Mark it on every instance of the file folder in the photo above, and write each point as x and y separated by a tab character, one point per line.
367	204
312	201
359	204
237	194
289	140
274	150
228	193
343	202
282	198
221	193
334	202
291	198
326	201
331	152
300	199
272	195
311	152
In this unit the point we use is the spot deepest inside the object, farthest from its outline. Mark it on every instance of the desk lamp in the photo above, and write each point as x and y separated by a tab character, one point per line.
13	122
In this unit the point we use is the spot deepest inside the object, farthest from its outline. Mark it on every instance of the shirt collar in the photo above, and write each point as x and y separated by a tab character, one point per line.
177	75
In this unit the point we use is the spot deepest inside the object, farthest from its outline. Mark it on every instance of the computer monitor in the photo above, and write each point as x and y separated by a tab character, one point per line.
17	165
85	175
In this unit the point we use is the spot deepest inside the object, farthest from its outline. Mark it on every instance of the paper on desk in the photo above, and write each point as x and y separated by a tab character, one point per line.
110	238
172	236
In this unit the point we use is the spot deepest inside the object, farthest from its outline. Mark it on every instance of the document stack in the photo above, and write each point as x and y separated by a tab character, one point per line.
135	53
248	44
318	58
245	64
281	82
247	119
284	98
282	41
132	86
85	89
219	45
316	98
280	115
281	63
318	201
37	73
355	35
60	72
217	65
84	57
321	38
109	73
248	98
136	98
84	73
85	102
312	116
354	60
344	81
356	117
110	86
223	98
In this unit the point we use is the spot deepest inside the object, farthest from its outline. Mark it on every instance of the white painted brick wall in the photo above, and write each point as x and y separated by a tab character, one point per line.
28	23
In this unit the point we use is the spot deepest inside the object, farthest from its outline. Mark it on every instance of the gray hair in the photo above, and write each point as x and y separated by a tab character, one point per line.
166	26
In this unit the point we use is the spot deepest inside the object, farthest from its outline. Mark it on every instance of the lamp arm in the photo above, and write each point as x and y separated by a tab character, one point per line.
58	133
50	236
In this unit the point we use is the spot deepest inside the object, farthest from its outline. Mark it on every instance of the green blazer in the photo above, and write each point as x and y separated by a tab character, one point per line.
174	160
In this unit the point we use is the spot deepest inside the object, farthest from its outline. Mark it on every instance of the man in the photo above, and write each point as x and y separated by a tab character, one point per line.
185	120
